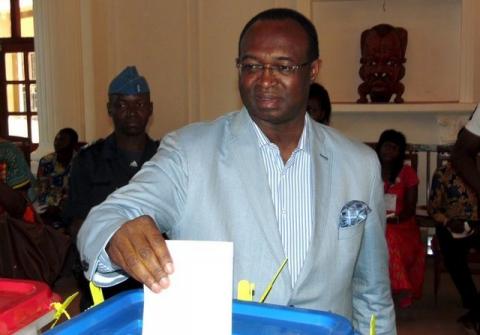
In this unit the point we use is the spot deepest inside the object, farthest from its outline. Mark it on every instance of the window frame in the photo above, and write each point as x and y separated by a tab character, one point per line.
12	44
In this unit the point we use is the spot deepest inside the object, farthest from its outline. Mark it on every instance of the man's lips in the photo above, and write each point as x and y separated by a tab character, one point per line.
267	100
133	123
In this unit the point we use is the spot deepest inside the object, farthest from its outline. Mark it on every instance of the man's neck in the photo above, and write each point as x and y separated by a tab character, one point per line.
131	143
64	157
285	137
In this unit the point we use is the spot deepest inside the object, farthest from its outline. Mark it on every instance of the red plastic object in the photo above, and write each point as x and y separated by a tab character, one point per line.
22	302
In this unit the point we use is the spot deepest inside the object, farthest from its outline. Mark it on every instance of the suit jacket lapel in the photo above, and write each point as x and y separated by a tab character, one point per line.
243	147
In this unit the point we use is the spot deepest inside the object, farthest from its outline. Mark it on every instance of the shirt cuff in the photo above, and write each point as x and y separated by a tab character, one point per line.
106	273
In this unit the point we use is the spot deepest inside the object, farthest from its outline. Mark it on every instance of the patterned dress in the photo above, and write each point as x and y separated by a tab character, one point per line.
405	248
450	197
52	181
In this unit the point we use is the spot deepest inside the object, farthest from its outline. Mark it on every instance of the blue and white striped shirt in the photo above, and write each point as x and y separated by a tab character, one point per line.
290	185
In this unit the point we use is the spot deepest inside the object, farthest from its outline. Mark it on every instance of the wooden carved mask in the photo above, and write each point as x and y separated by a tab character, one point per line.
382	63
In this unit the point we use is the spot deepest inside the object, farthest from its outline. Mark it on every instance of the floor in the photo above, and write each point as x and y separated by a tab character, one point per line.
423	318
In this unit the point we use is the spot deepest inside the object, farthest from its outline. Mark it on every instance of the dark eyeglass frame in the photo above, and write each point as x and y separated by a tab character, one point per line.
257	68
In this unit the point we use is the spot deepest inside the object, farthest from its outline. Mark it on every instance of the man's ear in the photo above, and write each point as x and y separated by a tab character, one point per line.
315	69
109	108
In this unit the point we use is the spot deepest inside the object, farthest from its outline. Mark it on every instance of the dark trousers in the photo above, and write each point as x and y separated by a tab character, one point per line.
454	252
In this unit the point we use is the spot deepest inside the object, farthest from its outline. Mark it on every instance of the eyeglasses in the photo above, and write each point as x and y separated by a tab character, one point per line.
257	68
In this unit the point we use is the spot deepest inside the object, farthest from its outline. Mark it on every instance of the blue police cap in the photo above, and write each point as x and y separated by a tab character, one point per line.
128	82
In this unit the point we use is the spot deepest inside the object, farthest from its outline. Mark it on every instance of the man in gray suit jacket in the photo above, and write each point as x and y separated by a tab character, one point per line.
267	178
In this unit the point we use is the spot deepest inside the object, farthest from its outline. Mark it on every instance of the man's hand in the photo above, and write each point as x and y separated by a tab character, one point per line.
39	208
139	248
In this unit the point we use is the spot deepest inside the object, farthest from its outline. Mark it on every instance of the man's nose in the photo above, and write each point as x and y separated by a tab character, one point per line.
268	76
132	110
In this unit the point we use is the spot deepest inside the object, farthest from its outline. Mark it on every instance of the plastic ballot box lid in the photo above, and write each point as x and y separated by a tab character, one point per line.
25	306
122	314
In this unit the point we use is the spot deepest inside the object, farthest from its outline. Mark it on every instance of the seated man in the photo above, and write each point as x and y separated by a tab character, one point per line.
451	203
52	177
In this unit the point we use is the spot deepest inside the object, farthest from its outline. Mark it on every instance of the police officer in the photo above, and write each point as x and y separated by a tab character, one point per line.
109	163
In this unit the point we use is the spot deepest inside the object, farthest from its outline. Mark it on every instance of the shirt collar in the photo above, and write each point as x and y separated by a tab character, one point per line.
264	141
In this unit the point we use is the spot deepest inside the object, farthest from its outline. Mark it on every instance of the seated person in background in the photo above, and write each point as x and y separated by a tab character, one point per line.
451	203
28	249
108	164
52	177
15	180
318	105
406	250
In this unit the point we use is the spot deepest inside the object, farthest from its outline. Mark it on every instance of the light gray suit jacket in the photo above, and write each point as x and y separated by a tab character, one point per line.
207	182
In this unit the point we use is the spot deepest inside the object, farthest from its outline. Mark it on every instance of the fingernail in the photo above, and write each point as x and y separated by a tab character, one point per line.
169	268
156	288
164	282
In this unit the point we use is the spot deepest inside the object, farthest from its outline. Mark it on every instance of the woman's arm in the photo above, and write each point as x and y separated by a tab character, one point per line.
464	156
410	203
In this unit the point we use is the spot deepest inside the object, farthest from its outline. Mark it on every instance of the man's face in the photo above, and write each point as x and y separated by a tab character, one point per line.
130	113
62	141
270	96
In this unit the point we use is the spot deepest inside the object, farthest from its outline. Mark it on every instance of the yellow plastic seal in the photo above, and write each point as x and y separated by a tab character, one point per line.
61	308
97	294
270	285
245	290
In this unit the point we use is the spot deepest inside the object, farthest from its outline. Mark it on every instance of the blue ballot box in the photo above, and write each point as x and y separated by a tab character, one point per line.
123	313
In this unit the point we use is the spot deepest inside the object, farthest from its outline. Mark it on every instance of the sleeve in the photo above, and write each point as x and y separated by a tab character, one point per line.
409	176
473	125
435	200
371	281
157	190
18	171
42	181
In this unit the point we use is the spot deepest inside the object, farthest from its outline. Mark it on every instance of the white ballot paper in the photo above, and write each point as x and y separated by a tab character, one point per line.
199	299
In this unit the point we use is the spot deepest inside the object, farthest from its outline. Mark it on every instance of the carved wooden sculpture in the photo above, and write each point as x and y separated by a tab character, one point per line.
383	55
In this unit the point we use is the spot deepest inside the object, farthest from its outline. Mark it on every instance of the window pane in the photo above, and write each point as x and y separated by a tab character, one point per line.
33	97
26	18
16	100
5	24
14	69
34	124
17	125
32	70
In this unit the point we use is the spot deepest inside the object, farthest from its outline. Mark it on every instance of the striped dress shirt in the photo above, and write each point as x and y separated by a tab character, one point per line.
290	186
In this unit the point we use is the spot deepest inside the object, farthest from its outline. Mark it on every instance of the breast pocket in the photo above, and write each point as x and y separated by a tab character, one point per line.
351	231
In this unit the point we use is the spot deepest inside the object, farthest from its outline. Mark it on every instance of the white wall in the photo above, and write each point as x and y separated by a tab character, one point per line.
433	49
186	50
